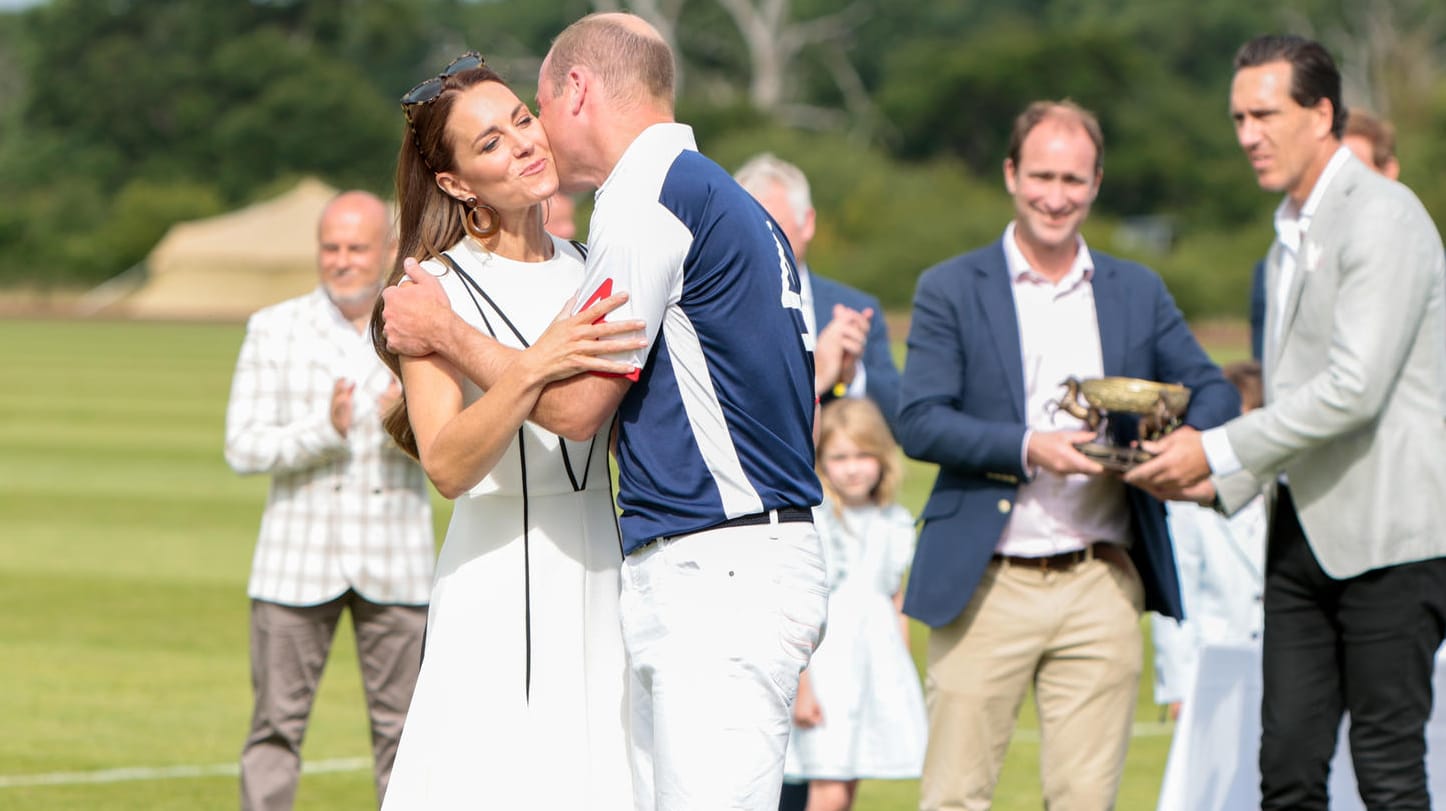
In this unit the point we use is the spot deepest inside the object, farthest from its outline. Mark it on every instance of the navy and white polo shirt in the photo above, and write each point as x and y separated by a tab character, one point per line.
719	420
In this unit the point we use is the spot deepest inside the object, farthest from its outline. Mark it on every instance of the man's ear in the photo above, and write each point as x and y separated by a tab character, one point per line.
580	82
1325	115
1009	176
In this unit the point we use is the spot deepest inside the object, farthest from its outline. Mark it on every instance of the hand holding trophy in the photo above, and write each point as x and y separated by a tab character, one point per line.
1159	408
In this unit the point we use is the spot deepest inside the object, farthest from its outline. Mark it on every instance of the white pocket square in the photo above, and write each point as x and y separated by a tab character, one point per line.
1312	256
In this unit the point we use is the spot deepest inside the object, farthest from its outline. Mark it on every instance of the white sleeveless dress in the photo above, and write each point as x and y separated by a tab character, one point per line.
521	701
874	723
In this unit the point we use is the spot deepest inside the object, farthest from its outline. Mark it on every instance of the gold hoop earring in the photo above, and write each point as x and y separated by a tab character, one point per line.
486	230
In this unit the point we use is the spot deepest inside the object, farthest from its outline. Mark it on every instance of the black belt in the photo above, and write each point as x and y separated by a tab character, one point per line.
785	515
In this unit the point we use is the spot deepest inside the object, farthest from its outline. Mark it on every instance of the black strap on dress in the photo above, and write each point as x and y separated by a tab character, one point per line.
473	291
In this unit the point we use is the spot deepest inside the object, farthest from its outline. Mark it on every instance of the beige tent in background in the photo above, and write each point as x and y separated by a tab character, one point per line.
229	266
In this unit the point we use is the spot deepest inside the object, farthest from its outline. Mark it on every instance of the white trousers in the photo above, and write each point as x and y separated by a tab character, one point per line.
718	625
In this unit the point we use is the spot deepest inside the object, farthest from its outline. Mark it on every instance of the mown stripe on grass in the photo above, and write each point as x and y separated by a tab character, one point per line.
350	764
1142	730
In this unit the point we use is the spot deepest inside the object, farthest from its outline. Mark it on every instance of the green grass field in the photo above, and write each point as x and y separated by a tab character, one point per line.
125	544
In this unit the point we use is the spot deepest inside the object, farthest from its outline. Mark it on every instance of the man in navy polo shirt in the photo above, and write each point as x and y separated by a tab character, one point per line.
723	585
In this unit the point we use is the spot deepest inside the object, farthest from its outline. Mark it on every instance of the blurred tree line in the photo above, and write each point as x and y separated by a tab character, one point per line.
120	117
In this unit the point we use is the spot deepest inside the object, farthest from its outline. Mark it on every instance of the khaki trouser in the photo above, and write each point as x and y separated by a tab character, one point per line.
289	646
1075	636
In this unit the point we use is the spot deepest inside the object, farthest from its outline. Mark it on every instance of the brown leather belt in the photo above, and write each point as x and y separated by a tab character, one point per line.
1062	562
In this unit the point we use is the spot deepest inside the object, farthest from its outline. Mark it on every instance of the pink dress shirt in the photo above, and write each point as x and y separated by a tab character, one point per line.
1059	337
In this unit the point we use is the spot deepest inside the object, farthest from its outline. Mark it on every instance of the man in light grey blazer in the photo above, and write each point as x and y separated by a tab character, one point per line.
1351	441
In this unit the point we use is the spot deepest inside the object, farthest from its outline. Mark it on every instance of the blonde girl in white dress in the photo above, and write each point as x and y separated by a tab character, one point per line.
860	708
521	698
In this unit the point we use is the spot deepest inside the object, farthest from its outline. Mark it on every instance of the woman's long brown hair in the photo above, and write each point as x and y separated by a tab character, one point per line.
429	220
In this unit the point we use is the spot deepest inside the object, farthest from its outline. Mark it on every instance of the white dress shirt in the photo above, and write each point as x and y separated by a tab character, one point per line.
1059	337
1291	226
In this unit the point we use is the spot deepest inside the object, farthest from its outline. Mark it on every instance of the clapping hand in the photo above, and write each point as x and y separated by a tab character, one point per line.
341	405
389	398
839	346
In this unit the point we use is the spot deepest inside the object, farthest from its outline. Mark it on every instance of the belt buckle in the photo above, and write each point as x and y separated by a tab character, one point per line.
1079	556
1065	561
656	540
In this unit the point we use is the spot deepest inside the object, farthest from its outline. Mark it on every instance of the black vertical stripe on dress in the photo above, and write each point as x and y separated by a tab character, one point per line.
526	566
473	290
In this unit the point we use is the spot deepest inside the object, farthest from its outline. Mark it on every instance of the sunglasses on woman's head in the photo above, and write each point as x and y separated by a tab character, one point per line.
428	91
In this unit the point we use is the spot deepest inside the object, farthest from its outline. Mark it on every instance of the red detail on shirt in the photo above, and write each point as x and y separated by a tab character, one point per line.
631	376
604	290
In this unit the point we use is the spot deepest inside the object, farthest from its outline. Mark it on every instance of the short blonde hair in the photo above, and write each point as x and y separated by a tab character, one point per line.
861	421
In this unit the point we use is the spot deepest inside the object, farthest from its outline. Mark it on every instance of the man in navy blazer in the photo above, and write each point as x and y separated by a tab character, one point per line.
1033	562
852	356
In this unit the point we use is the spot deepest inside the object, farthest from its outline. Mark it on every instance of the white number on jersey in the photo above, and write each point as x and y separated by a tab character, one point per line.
790	298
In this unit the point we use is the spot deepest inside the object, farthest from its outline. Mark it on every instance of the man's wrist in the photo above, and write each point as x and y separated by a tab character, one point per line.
447	339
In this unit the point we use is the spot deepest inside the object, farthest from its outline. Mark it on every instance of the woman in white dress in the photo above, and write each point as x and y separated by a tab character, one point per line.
521	698
860	708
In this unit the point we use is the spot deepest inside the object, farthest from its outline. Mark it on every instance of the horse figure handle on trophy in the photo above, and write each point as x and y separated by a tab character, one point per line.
1159	406
1070	404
